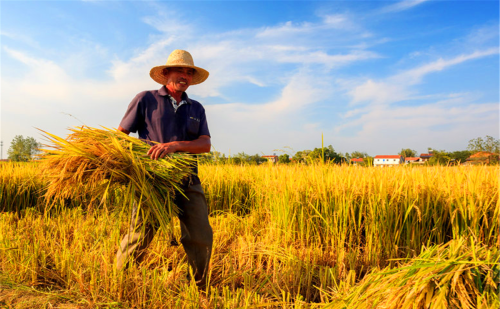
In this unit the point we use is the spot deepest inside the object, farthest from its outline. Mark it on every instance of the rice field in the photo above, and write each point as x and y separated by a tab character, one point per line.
285	236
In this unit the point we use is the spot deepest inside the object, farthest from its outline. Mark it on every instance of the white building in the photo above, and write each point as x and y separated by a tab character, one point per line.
273	158
388	161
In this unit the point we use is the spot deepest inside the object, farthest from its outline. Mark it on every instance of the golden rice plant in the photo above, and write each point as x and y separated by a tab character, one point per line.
457	274
98	162
20	186
285	236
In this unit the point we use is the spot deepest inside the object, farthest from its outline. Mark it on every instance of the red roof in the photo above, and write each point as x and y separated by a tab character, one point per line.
357	160
426	155
388	157
269	156
412	158
483	154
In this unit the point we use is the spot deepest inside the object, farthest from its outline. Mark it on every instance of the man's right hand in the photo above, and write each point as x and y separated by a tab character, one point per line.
159	151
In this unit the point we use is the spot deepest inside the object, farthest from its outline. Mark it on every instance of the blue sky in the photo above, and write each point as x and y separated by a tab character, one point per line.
371	76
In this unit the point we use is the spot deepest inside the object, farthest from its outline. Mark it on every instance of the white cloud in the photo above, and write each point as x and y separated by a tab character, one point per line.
21	38
169	25
381	118
302	90
402	5
153	55
414	76
398	87
49	89
440	124
378	93
453	108
285	29
44	79
331	30
331	61
338	21
250	59
487	34
272	124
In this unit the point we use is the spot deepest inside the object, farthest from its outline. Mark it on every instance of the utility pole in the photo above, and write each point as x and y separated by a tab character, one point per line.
1	151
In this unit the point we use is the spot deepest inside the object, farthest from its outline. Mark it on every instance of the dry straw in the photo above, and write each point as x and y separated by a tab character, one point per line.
99	162
457	274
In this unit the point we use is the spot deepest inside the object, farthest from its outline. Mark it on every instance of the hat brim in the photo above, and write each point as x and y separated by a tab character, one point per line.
200	75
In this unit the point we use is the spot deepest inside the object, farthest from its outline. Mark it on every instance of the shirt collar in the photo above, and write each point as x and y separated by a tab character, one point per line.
163	92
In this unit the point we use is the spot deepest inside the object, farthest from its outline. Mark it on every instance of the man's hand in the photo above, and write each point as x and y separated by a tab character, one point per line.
200	145
159	151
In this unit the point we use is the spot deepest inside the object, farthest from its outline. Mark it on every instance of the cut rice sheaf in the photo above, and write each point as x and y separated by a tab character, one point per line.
95	162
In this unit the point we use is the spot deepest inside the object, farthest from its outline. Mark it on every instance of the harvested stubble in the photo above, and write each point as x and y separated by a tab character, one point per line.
96	163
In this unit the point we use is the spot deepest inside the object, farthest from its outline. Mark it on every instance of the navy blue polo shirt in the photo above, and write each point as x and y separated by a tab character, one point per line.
152	115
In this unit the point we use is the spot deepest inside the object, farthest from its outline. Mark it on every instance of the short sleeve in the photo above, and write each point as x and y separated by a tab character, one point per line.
134	115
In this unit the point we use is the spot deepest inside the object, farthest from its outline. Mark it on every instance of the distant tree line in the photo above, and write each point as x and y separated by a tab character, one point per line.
488	144
240	158
26	149
326	154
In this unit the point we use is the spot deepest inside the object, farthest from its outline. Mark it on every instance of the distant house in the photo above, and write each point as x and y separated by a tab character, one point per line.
387	160
273	158
424	157
482	157
413	160
356	161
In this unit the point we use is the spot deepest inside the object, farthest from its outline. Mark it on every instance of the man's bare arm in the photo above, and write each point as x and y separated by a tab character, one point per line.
200	145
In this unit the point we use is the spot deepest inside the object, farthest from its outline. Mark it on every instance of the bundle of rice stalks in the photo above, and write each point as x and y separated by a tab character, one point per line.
457	274
98	162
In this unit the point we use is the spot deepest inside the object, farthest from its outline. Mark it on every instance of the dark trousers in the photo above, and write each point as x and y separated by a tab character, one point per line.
196	238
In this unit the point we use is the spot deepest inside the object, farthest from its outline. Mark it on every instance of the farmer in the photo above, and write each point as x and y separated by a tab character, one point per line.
168	116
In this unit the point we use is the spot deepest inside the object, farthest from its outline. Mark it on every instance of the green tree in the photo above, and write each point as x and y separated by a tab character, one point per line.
439	157
243	158
23	149
212	157
284	159
316	155
301	156
489	144
460	155
329	152
256	159
235	160
407	153
357	154
240	158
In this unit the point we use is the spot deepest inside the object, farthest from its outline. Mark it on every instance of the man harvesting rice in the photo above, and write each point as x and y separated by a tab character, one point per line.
178	124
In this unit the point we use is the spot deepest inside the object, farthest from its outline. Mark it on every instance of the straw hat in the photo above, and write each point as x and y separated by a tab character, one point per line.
179	59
